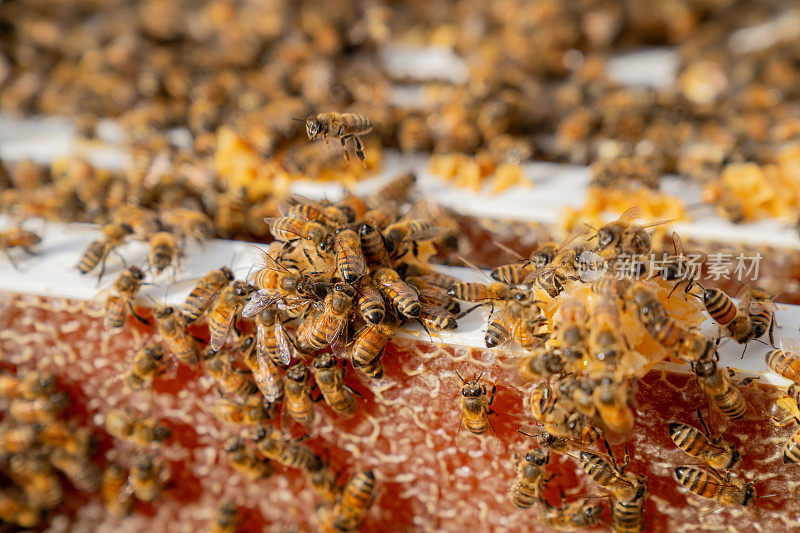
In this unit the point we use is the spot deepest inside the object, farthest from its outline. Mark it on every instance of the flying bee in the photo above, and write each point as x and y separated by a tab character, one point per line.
292	229
185	223
331	323
96	253
39	409
369	344
164	251
373	246
330	381
118	304
148	362
244	459
37	479
297	399
322	481
204	292
713	487
250	412
350	260
17	439
369	301
624	237
681	268
613	405
31	386
726	397
475	406
226	519
16	509
401	295
342	126
529	483
716	453
434	317
79	470
734	320
274	446
400	234
144	478
172	327
18	238
791	404
230	381
357	496
573	516
433	294
141	432
116	499
230	303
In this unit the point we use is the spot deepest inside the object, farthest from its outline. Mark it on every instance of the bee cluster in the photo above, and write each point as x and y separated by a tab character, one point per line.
45	451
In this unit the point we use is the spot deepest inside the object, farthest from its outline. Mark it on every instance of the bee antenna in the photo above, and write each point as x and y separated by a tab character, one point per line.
748	453
429	334
298	119
459	376
479	377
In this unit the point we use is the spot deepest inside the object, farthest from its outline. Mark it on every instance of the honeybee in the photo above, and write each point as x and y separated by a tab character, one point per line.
230	380
245	460
144	478
357	496
475	408
542	363
39	409
17	439
144	222
398	235
716	453
288	453
204	292
624	237
116	499
141	432
572	516
330	381
297	400
712	486
605	342
401	295
18	238
612	402
15	509
517	319
32	385
276	282
330	323
627	512
607	474
75	440
184	223
681	268
343	126
96	253
250	412
369	301
571	329
79	470
163	252
436	318
433	294
369	344
516	273
172	327
530	480
762	314
734	320
117	305
727	398
373	246
37	478
350	259
323	482
791	404
292	229
226	519
223	314
148	362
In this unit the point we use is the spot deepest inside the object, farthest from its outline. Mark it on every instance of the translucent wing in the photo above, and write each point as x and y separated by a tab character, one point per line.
218	340
265	379
337	338
630	214
259	301
676	242
284	346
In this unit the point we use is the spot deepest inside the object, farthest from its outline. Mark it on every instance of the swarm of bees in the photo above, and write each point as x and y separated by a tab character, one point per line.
41	446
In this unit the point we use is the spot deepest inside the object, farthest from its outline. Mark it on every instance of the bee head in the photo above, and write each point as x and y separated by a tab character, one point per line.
243	289
227	273
345	289
536	456
313	127
605	236
324	361
136	273
473	388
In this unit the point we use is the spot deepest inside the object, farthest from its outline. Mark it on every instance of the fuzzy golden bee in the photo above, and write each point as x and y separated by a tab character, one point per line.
400	294
716	453
172	327
369	344
145	478
147	363
18	237
227	307
529	483
722	393
252	411
81	472
297	399
244	459
116	499
39	409
120	301
139	431
330	324
342	126
96	253
357	496
274	446
573	516
226	519
204	292
790	403
330	381
475	406
230	380
164	252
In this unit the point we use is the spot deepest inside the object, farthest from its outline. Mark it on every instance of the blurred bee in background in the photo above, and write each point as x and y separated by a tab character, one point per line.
29	386
204	292
330	381
790	403
164	252
96	253
716	453
623	237
343	126
226	519
141	432
18	237
576	515
321	213
144	222
571	330
357	496
227	307
612	399
297	400
39	409
187	223
144	478
605	342
274	446
148	362
116	499
79	470
245	460
322	481
74	439
250	412
121	301
17	439
37	479
475	404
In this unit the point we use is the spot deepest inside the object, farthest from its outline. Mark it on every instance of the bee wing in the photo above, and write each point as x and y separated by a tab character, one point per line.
265	379
259	301
677	243
745	296
284	346
536	274
336	338
632	213
426	234
218	341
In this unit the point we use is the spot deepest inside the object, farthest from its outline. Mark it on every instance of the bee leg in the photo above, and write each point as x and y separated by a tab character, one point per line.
491	397
344	148
136	315
785	422
29	251
771	331
10	259
360	150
